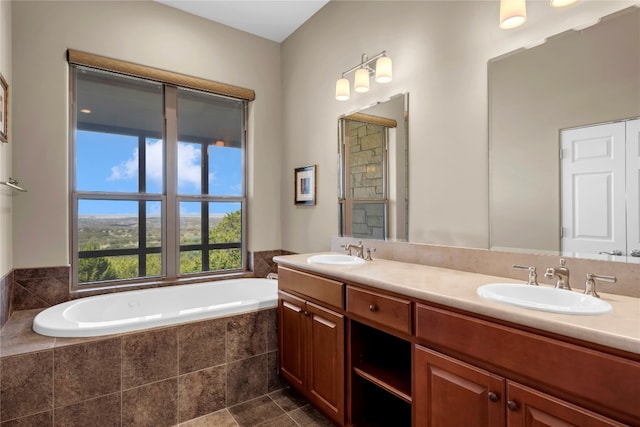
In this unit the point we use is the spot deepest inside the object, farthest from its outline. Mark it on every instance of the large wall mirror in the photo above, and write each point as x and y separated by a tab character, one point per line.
373	165
548	109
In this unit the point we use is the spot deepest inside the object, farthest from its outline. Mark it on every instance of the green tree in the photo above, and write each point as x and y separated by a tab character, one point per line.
95	269
229	230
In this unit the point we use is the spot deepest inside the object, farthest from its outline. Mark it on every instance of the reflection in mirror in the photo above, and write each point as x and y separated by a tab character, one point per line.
373	167
536	96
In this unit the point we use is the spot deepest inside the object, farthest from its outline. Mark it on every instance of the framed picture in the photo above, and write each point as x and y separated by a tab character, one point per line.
4	109
305	188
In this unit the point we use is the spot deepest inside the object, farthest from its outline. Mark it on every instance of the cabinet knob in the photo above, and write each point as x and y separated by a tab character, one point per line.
372	307
513	406
493	396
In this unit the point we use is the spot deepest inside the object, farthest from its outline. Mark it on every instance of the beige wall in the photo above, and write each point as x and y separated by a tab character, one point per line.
440	51
143	32
6	194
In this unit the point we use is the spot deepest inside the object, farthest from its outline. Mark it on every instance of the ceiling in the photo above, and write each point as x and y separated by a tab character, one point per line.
273	20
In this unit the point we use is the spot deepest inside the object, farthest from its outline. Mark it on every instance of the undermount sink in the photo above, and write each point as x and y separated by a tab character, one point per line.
544	298
335	259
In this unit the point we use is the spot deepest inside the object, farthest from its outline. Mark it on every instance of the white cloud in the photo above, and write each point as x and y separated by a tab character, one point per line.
188	165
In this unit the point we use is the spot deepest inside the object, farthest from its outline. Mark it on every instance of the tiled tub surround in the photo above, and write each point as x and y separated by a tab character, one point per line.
6	282
158	377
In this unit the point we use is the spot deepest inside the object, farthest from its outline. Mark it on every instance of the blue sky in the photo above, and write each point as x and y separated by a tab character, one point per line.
108	162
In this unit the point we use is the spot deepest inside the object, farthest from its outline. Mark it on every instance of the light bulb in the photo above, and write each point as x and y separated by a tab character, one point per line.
513	13
562	3
342	89
361	82
383	70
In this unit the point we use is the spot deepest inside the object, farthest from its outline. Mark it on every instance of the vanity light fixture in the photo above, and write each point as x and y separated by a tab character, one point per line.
381	69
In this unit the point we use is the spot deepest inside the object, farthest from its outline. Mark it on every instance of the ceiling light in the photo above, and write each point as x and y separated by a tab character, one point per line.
85	111
513	13
379	65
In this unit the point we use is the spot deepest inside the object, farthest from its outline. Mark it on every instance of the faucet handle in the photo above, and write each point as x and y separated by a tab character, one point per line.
533	276
590	284
368	254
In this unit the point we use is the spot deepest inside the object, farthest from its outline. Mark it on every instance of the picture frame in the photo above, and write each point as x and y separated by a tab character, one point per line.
4	109
305	185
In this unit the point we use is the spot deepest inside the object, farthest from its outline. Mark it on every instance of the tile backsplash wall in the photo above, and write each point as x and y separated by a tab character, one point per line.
5	297
500	264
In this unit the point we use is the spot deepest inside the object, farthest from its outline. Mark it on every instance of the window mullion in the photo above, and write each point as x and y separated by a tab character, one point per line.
172	223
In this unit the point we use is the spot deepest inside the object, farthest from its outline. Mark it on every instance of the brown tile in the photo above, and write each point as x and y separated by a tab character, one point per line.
25	300
26	384
256	411
85	371
308	416
39	272
288	399
17	336
246	335
246	379
43	419
282	421
6	283
149	356
152	405
201	392
52	290
271	317
103	411
201	345
274	380
221	418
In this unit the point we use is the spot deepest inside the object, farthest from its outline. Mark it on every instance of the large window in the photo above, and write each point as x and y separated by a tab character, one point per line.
157	179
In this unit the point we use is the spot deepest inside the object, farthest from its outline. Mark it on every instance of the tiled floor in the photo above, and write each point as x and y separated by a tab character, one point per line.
282	408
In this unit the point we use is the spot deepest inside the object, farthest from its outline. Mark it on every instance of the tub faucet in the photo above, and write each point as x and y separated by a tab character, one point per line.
561	274
359	248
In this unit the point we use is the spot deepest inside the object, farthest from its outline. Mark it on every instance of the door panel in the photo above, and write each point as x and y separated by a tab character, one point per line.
450	393
593	189
291	334
633	185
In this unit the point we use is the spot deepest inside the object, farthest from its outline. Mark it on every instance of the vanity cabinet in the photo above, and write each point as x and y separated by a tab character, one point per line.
487	364
312	340
451	393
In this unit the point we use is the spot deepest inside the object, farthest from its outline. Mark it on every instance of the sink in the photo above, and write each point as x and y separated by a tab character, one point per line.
335	259
544	298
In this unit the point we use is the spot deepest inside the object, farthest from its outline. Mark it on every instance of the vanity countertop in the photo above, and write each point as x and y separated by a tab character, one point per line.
618	329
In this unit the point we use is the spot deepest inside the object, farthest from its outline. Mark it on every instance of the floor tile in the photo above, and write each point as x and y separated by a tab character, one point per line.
308	416
256	411
220	418
288	399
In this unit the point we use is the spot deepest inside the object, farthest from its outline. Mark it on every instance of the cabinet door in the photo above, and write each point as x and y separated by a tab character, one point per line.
325	344
450	393
291	334
531	408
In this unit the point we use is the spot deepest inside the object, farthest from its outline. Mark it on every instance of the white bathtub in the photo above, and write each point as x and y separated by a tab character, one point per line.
148	308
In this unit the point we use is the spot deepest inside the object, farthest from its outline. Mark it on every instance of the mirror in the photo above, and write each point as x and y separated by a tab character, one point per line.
373	168
573	80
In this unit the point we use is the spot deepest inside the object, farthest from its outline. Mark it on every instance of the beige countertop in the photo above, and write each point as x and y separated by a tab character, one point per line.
618	329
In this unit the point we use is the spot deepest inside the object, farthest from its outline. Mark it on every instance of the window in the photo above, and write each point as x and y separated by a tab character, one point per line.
157	179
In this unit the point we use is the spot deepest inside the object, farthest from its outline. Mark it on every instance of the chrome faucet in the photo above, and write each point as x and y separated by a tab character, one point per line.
359	248
561	274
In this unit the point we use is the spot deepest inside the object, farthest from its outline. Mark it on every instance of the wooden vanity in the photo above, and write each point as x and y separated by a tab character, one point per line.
368	356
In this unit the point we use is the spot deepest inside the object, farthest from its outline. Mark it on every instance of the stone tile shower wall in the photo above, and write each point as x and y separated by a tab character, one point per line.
159	377
366	154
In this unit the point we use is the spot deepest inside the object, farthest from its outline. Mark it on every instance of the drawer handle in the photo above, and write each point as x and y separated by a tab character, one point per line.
513	406
373	308
493	396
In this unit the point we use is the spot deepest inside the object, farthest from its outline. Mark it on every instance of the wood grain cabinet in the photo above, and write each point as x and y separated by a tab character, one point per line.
451	393
312	358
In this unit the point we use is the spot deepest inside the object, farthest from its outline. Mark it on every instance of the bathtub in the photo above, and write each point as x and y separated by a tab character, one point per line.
135	310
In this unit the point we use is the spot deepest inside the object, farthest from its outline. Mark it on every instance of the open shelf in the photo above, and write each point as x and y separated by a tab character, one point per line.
377	408
395	382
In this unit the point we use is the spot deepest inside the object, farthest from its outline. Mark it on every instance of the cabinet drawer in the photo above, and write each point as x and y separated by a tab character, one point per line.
383	309
318	288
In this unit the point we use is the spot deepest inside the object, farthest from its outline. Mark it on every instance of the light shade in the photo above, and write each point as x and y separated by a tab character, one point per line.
361	83
513	13
342	89
562	3
383	70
